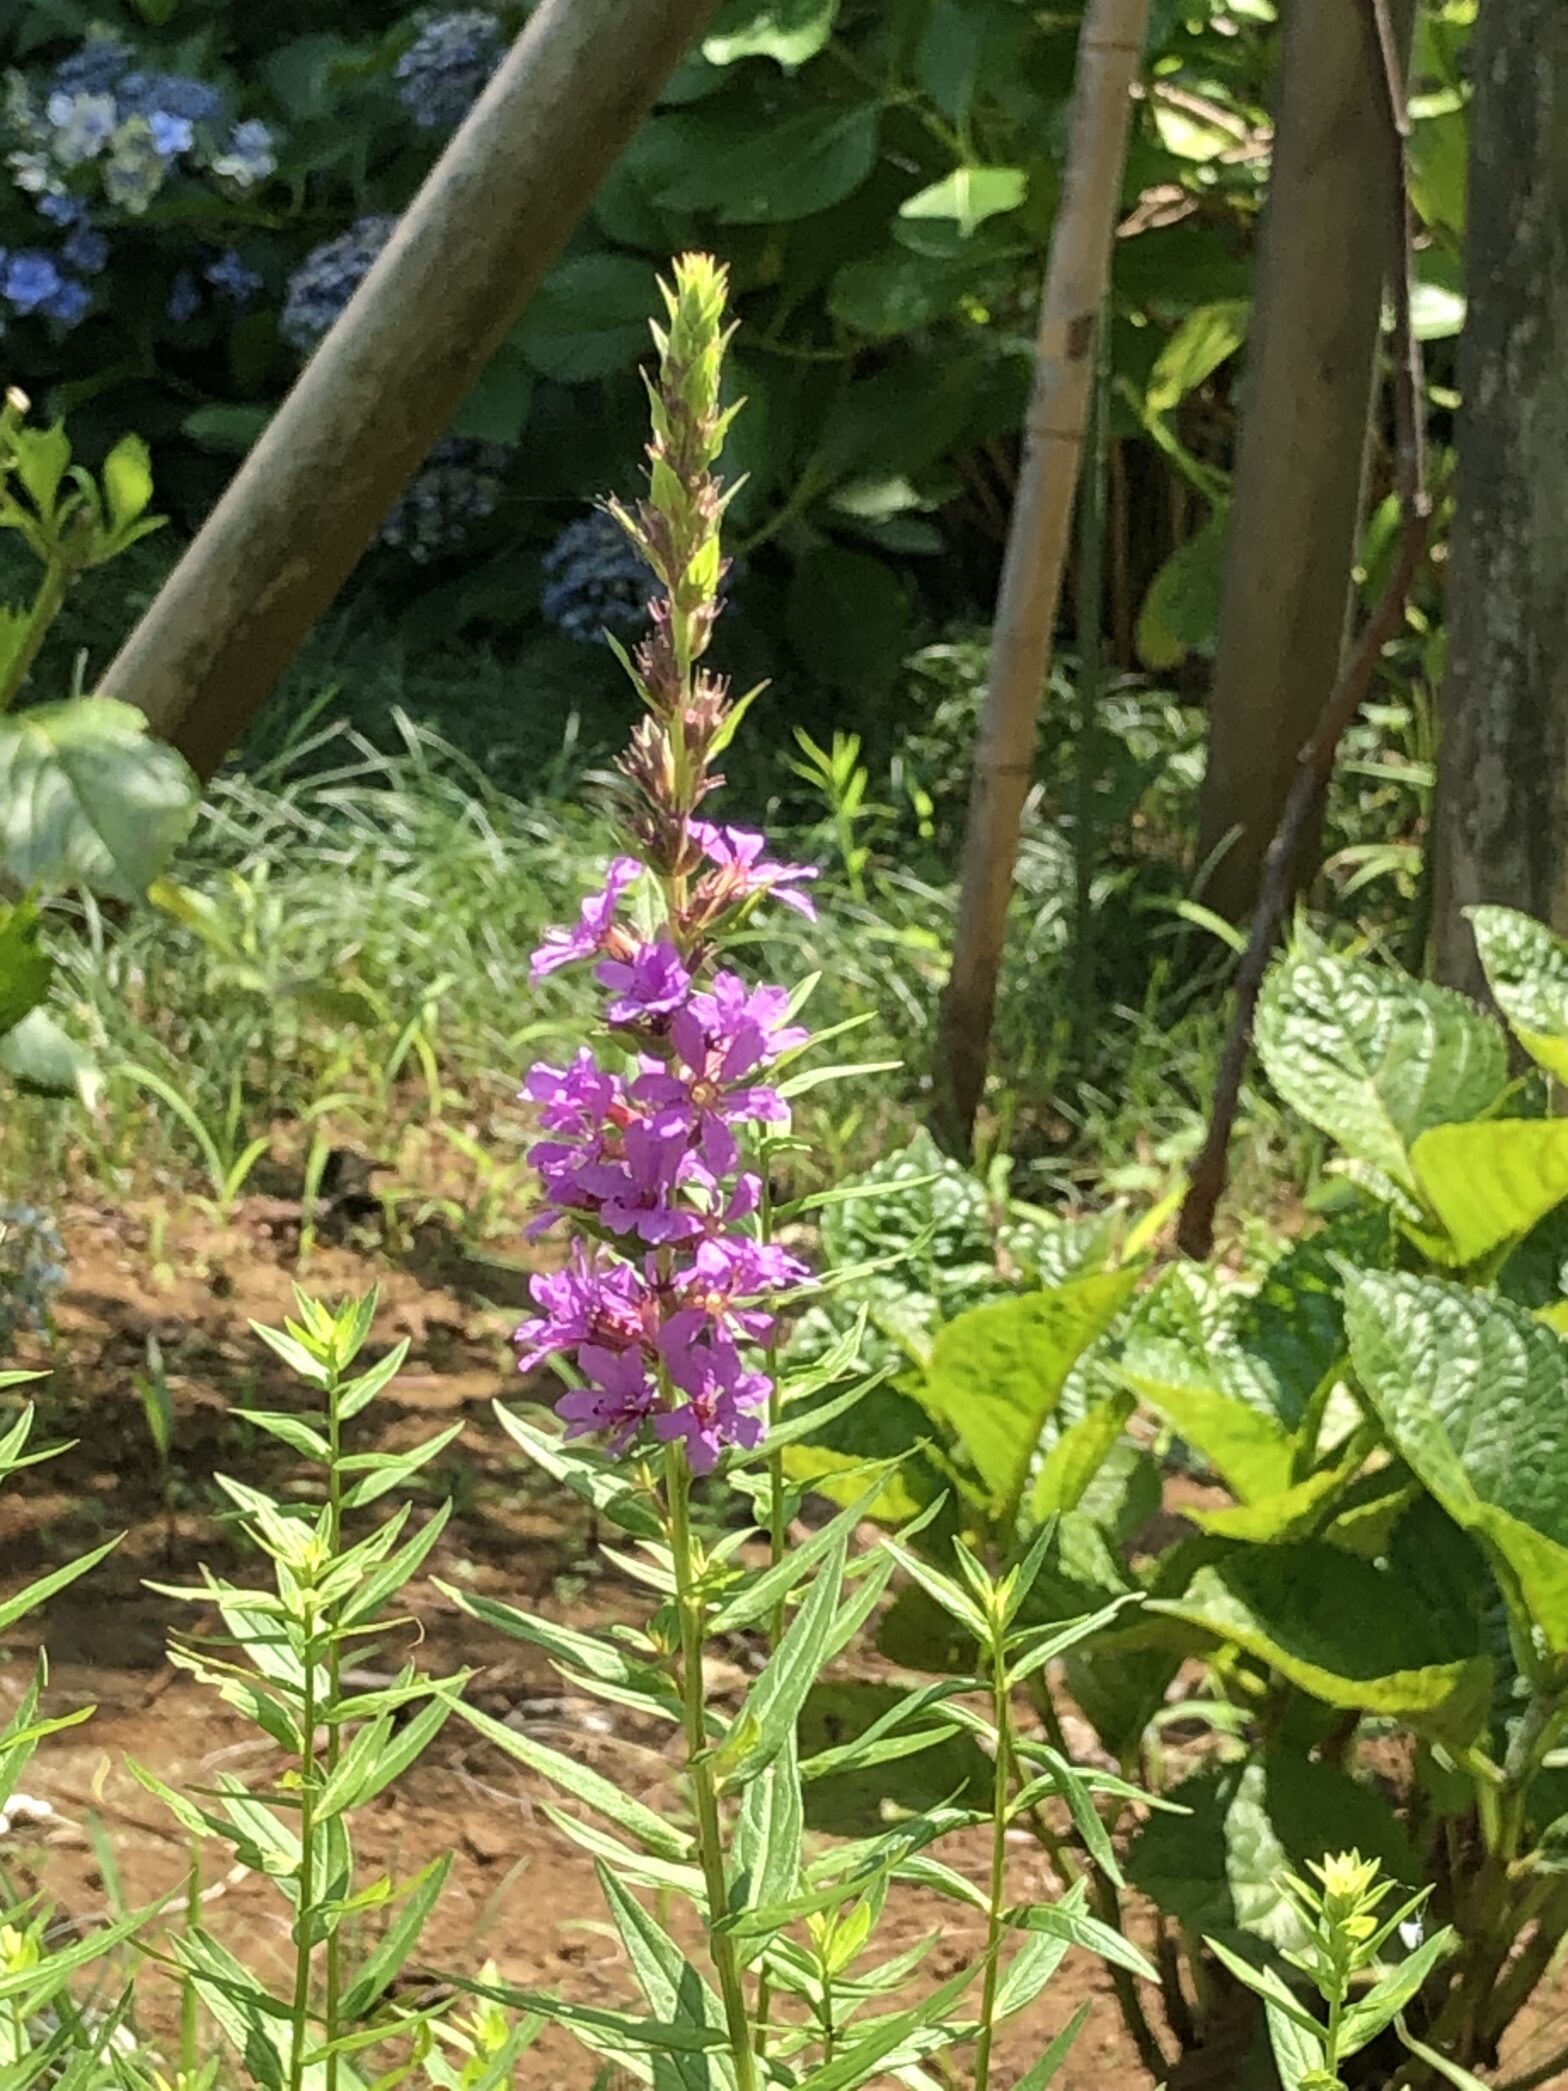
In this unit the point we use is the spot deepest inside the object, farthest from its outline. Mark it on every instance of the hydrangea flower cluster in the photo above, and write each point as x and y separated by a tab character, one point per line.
595	581
650	1153
456	489
328	277
32	1271
448	65
97	141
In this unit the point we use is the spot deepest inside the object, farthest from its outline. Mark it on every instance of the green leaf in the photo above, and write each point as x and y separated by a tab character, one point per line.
1490	1183
1042	2074
1295	1513
1061	1920
899	292
583	1784
1526	966
42	456
969	195
382	1965
774	173
87	798
1473	1390
1351	1634
1451	2072
232	429
1367	2017
37	1593
1297	2052
25	967
997	1373
787	31
1206	338
1070	1466
1217	1866
127	482
767	1716
765	1853
496	411
1375	1059
675	1991
1180	613
589	318
848	619
593	1480
861	2062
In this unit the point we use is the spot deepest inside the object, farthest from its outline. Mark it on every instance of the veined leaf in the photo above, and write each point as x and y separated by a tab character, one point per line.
583	1784
675	1991
401	1936
1352	1635
1375	1059
88	798
1526	966
787	31
766	1851
969	195
997	1372
1489	1183
767	1716
1473	1390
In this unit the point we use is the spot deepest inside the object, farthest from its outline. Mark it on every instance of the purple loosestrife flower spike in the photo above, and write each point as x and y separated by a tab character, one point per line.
594	926
651	983
741	869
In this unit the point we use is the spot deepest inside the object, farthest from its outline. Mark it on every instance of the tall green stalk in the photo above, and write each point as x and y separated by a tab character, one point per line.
699	1767
996	1896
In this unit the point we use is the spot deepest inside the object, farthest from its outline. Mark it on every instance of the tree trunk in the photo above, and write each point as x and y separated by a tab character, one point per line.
1501	831
1297	501
385	384
1109	47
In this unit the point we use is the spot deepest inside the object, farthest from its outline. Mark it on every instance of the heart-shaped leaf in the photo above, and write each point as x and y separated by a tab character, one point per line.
1473	1390
1489	1183
88	798
1526	967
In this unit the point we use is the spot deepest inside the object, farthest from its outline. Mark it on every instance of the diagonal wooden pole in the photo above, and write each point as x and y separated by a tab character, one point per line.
383	387
1109	47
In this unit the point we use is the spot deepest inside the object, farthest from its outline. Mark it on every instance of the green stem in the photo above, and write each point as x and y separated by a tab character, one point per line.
1002	1714
334	1696
190	2002
307	1871
710	1842
47	605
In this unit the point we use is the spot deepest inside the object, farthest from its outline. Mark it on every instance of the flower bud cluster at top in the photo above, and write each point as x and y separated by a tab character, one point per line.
648	1154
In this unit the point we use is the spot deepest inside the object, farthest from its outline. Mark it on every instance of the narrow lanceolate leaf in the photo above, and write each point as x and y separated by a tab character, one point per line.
604	1488
1062	1920
584	1785
675	1991
254	2022
590	1655
46	1586
863	2061
630	1865
1526	967
767	1718
1043	2073
1450	2072
384	1582
1367	2017
1473	1390
390	1470
372	1977
763	1593
1489	1183
293	1431
765	1860
367	1768
1375	1059
619	2032
1297	2052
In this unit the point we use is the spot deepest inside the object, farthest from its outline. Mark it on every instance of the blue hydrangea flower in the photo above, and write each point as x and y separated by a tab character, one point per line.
169	94
457	488
327	278
61	208
97	68
87	250
30	280
234	277
135	170
32	1271
595	581
81	125
445	69
69	302
249	156
184	298
171	134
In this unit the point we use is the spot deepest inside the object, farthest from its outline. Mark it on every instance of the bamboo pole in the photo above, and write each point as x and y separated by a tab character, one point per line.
384	385
1077	275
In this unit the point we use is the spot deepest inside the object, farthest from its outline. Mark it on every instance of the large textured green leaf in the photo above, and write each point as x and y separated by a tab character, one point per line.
1344	1630
88	798
1375	1059
1474	1392
1526	967
788	31
589	318
769	174
38	1055
1217	1868
1491	1182
1296	1512
25	967
997	1373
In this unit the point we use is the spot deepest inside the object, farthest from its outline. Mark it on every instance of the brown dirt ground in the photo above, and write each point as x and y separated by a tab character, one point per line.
519	1893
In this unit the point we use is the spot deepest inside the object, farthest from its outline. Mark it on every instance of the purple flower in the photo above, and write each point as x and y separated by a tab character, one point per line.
651	983
594	927
725	1402
720	1038
172	135
741	869
617	1399
638	1190
591	1300
730	1272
